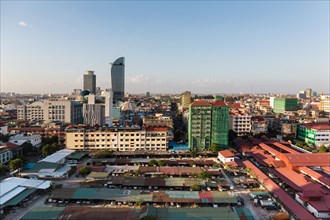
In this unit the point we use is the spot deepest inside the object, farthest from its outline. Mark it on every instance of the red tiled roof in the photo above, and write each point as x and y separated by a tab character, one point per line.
301	160
322	178
201	103
287	149
226	153
317	125
219	103
289	202
97	168
234	105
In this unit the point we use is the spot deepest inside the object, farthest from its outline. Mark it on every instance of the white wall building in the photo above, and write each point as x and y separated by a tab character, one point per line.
225	156
20	139
240	123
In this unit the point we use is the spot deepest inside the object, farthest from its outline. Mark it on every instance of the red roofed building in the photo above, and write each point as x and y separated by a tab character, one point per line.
225	156
314	133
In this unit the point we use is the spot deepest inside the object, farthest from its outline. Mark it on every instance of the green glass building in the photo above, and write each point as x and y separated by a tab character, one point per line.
282	105
208	124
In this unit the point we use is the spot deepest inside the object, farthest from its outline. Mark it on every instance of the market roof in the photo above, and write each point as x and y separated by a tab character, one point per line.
41	213
58	156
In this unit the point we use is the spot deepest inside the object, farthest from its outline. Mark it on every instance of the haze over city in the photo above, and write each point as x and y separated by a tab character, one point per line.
170	47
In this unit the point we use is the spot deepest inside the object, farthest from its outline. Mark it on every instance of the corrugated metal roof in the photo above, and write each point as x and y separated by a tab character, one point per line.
58	156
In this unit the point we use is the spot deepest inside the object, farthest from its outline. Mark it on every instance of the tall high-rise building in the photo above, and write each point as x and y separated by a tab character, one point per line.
118	79
90	81
309	93
208	124
185	99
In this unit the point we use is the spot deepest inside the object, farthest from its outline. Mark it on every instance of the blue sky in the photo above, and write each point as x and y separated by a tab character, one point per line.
169	47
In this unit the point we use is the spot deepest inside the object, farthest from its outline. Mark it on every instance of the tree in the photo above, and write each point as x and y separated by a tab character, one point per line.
2	170
15	164
4	138
152	162
85	170
300	144
49	149
28	149
137	172
214	148
195	187
204	175
322	149
139	202
193	153
161	163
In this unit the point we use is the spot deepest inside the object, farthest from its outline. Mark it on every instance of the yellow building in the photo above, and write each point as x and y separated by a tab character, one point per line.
118	139
185	99
325	103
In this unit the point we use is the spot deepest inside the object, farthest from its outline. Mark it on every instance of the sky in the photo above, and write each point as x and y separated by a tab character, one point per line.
169	46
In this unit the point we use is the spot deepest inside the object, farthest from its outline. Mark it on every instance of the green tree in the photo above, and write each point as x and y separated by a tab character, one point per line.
15	164
193	153
2	170
322	149
28	149
160	163
49	149
139	202
300	144
214	148
152	162
195	187
204	175
85	170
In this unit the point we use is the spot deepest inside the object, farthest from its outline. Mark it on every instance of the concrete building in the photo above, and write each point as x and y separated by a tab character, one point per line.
5	154
3	129
52	110
108	103
33	111
240	123
208	124
157	120
314	133
20	139
325	103
118	79
90	81
185	99
225	156
281	105
94	114
118	139
309	93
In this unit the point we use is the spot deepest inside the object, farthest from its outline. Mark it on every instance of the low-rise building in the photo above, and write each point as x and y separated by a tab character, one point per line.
314	133
118	139
157	120
20	139
225	156
3	129
5	154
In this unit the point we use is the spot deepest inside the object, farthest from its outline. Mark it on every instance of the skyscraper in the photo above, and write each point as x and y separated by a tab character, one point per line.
185	99
118	79
90	81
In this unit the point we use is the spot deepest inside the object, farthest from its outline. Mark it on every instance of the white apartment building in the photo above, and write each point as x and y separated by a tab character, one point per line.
121	139
240	123
52	110
20	139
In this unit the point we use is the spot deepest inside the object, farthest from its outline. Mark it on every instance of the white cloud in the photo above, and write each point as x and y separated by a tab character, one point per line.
23	24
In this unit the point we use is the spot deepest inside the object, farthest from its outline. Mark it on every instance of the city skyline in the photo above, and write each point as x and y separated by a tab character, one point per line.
170	47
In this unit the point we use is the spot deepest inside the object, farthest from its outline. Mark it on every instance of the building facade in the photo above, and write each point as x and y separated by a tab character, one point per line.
208	124
240	123
90	82
325	103
52	110
185	99
316	134
94	114
281	105
118	79
118	139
